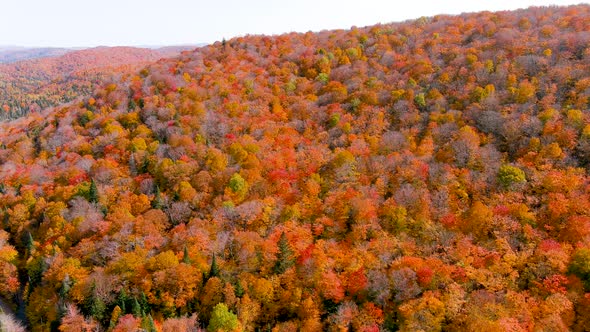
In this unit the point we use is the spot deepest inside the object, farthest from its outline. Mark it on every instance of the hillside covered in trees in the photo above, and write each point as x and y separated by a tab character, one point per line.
57	78
426	175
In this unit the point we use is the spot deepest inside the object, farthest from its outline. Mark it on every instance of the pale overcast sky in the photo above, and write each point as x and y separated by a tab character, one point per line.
167	22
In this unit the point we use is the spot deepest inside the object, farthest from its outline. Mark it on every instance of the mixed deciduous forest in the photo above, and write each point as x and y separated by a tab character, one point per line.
36	84
426	175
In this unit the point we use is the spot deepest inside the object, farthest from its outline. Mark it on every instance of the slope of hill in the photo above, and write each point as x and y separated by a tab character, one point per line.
428	175
39	83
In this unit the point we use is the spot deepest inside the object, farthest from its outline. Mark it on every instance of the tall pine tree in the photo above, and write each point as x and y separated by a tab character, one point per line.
136	308
143	303
122	301
285	256
93	192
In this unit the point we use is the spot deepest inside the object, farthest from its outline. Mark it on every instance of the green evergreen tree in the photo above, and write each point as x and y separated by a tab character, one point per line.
239	290
136	308
214	270
29	242
131	105
157	202
65	287
122	301
93	192
144	167
285	256
143	303
185	257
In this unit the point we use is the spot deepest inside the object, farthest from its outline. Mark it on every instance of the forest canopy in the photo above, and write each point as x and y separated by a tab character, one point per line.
426	175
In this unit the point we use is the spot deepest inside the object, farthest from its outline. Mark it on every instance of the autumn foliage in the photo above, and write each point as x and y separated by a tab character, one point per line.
427	175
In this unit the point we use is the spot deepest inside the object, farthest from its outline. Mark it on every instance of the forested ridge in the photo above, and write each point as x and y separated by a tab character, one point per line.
35	84
425	175
10	54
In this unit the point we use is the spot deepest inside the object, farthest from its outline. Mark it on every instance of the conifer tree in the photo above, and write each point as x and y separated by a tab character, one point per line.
185	257
144	167
136	308
239	290
65	287
29	243
93	192
157	202
143	303
122	301
285	256
214	270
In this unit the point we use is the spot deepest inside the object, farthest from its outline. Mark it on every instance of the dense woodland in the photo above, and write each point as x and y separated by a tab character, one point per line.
426	175
32	85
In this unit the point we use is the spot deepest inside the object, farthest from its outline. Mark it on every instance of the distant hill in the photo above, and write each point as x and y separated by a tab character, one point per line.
10	54
165	47
49	81
91	58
